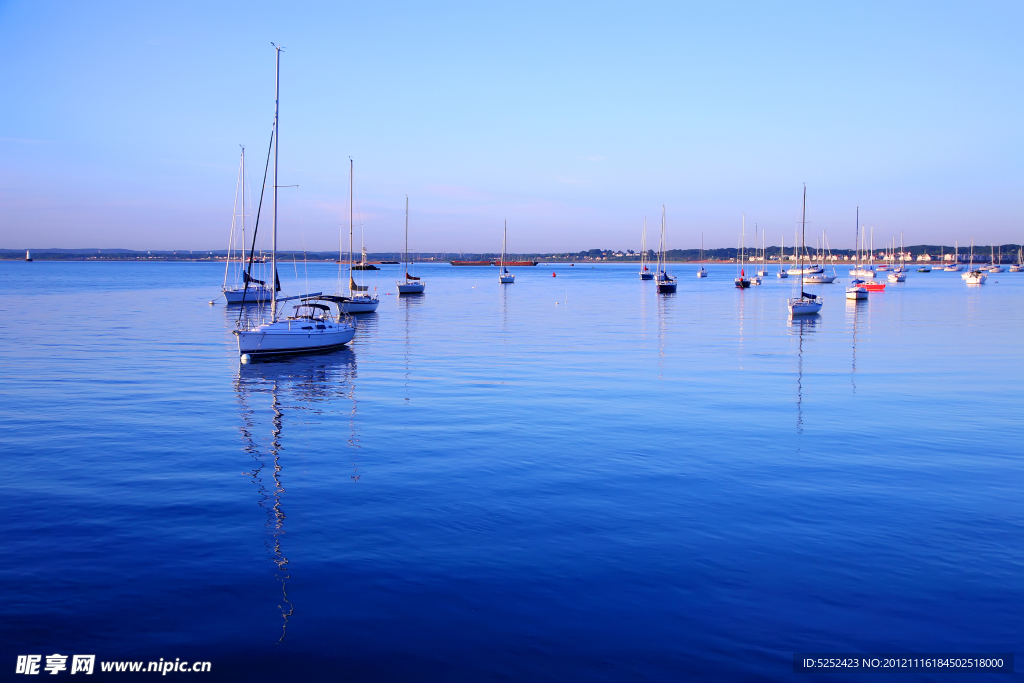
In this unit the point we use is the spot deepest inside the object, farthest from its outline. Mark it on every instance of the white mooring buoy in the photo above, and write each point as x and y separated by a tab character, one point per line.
211	303
246	358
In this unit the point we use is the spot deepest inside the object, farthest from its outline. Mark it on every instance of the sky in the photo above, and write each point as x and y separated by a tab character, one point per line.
121	122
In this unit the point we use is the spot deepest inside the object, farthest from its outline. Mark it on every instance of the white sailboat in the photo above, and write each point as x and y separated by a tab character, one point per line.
821	277
995	266
505	277
782	274
805	304
902	268
411	284
862	271
666	283
974	276
856	291
355	301
312	326
645	272
955	267
762	271
804	268
1019	265
702	272
237	292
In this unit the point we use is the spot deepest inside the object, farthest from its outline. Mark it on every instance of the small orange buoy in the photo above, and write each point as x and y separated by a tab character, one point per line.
554	275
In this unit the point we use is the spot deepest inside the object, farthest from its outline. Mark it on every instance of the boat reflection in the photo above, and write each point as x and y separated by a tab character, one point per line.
799	327
407	304
853	316
268	392
666	304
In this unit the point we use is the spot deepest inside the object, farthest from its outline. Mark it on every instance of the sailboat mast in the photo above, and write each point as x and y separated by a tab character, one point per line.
664	257
504	240
803	238
643	246
405	260
234	216
743	242
277	144
350	171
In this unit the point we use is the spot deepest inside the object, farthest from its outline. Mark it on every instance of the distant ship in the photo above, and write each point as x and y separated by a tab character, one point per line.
520	263
472	263
28	256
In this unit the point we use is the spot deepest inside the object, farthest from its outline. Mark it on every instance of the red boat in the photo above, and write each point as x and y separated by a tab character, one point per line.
873	286
519	263
474	263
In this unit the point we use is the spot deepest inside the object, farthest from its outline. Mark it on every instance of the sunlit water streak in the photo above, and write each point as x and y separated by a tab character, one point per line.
564	478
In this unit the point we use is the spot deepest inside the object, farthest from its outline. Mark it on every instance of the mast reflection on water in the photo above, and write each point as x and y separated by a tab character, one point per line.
296	385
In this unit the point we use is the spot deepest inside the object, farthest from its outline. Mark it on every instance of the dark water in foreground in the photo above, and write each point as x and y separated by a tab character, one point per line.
568	478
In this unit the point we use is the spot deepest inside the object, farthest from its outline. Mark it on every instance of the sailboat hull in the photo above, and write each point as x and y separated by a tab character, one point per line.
819	279
856	293
667	287
411	287
646	276
255	295
290	337
507	279
360	304
804	307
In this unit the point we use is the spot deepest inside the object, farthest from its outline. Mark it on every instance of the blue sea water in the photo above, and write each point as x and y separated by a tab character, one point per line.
568	478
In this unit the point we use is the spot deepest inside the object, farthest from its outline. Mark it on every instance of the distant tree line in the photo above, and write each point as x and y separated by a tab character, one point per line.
1008	251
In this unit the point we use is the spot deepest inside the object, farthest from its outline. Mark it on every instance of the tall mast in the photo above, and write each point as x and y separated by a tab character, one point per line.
743	242
234	216
643	246
664	259
277	143
406	259
504	240
856	242
350	171
803	239
242	173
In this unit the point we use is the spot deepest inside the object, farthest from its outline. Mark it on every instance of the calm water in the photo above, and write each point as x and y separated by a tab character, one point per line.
567	478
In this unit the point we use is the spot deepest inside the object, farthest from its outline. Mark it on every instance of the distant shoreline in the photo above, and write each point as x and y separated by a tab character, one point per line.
937	254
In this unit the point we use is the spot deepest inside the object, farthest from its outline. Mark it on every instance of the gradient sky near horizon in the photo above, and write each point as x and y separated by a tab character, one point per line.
122	121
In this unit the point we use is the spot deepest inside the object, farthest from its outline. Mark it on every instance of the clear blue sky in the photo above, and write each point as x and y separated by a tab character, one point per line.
121	121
